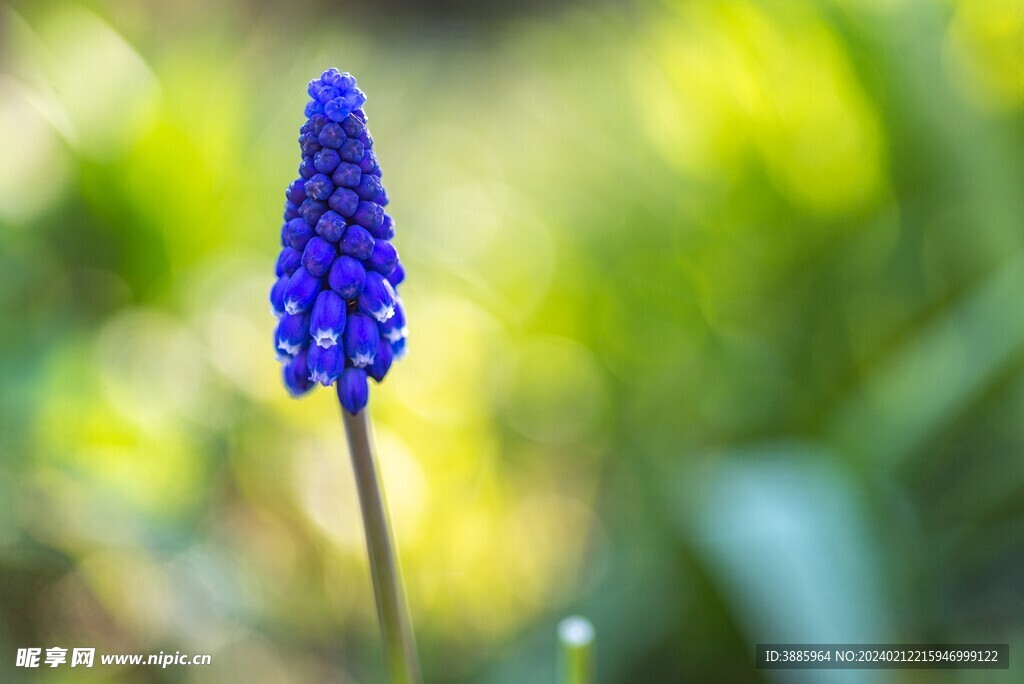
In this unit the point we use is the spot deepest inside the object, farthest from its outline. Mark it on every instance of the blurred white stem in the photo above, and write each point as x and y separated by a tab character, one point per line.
576	635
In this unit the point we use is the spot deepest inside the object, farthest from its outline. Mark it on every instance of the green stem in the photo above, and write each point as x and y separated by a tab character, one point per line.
576	635
392	610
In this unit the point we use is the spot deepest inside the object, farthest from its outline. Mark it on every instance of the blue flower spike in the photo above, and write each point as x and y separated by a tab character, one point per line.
341	321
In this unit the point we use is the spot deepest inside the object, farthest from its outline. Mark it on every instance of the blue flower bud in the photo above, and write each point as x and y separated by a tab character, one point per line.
354	98
368	162
291	210
326	160
359	114
360	340
347	277
383	259
382	362
351	151
287	261
344	201
398	348
296	233
397	275
314	86
293	333
306	169
309	144
352	126
369	214
296	375
337	109
386	229
377	298
347	176
277	295
383	199
327	321
301	291
366	139
314	107
357	242
353	392
394	328
296	191
325	363
369	187
318	256
326	94
332	136
312	210
331	226
317	123
319	187
343	81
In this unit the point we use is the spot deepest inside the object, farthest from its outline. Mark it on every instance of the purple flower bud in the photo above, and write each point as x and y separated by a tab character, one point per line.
394	328
351	151
347	176
360	114
301	291
383	259
353	392
293	333
287	261
357	242
383	199
277	296
296	375
314	107
360	340
366	139
327	321
344	201
319	187
325	363
308	144
326	160
347	277
296	233
369	214
386	229
318	256
332	136
352	126
368	162
314	86
326	94
382	362
369	187
312	210
377	298
306	169
296	191
337	109
331	226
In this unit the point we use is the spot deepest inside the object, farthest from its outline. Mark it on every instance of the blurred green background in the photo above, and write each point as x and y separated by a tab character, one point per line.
716	336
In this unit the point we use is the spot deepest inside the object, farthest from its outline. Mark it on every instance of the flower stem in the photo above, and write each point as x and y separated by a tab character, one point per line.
576	635
392	610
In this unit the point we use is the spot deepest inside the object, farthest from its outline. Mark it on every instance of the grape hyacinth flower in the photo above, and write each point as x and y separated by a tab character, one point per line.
340	318
337	238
